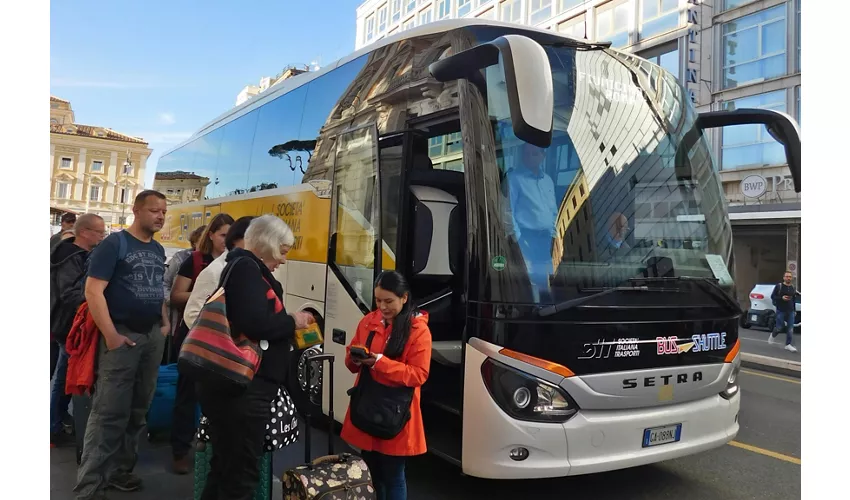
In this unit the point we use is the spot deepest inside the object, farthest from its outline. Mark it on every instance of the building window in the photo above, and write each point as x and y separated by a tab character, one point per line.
370	28
425	16
435	146
454	143
666	56
612	22
97	166
479	3
658	16
799	36
395	12
799	115
63	189
409	6
444	9
65	163
731	4
488	14
410	23
196	191
54	121
752	145
511	11
541	10
754	47
463	7
575	27
565	5
94	193
382	19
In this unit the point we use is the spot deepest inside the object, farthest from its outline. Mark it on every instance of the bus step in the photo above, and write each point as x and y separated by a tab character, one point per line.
443	431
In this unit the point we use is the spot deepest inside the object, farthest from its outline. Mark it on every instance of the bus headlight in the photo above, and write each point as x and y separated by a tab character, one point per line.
524	396
732	383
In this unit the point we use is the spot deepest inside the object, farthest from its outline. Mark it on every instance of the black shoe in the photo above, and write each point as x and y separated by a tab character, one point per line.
125	481
60	439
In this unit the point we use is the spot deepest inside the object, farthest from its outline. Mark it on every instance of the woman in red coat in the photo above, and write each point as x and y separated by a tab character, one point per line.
400	355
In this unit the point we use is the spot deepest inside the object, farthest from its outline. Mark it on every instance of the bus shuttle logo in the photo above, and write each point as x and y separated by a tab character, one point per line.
697	343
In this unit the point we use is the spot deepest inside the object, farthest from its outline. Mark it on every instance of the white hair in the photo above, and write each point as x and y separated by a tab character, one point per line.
266	234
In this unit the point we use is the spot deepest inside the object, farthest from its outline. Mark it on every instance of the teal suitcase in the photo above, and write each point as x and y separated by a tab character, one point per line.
203	454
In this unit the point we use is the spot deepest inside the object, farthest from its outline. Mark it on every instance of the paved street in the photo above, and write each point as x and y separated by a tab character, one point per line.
754	341
760	467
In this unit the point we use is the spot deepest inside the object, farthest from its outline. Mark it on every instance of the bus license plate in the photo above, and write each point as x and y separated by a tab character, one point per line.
662	435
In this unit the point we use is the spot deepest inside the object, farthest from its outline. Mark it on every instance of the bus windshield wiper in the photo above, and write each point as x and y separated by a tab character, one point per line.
569	304
707	284
581	45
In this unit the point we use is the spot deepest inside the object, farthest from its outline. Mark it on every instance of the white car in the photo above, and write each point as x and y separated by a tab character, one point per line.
762	313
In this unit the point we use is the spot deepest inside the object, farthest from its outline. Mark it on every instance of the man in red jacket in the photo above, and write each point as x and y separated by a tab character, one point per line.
125	295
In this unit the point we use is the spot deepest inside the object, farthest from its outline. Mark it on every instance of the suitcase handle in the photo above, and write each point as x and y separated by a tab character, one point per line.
321	358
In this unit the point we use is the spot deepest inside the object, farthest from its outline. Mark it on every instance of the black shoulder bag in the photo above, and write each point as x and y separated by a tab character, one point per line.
377	409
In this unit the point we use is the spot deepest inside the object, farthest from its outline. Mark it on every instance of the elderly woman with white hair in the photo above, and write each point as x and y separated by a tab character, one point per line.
237	422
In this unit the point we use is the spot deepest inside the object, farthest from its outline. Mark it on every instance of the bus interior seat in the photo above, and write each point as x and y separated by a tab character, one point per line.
437	238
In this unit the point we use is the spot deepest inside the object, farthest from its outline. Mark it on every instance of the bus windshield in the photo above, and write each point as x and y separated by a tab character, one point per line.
618	194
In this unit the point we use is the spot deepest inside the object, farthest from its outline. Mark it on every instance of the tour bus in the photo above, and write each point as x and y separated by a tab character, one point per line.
557	210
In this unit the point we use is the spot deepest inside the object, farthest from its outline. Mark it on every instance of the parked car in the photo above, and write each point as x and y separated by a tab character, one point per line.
762	313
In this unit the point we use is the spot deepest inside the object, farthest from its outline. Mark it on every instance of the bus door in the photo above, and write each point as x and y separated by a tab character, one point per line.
354	252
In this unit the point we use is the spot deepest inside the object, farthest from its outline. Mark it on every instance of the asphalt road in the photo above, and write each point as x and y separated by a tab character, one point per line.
754	341
759	464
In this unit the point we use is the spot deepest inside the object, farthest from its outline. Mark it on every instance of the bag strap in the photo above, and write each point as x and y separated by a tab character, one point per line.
369	340
229	269
122	245
197	264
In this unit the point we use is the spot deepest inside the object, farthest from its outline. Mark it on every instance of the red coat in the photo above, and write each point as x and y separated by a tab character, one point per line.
410	369
82	349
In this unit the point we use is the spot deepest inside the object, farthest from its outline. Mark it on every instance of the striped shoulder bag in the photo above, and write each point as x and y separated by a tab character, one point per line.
211	354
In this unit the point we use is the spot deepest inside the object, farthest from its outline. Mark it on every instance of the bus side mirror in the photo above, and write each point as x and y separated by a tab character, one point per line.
528	77
779	125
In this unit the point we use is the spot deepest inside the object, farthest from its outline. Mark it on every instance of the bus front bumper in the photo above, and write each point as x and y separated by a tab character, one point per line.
593	440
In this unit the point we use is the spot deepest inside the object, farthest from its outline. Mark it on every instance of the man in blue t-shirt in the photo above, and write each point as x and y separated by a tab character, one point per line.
125	294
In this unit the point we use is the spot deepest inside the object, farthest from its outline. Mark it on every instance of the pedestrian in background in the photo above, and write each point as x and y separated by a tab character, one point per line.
183	423
207	281
125	297
67	221
67	268
171	268
254	298
784	299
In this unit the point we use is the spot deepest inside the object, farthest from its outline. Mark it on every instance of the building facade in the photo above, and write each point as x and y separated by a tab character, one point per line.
181	187
93	169
266	83
727	54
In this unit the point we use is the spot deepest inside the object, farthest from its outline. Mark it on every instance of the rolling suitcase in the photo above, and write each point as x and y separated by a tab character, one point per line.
332	477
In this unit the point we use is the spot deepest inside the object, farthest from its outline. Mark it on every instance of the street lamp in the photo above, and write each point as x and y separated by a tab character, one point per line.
128	165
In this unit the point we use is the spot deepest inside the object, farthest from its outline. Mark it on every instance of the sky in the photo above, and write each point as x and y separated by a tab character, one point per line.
162	69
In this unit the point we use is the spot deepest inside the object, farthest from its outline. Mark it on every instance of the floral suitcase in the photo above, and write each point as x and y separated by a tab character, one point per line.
332	477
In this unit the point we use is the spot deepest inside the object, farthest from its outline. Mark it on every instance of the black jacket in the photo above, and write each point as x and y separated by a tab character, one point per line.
252	313
67	266
782	289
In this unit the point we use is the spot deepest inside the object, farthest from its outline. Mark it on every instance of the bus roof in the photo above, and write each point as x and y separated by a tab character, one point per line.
297	81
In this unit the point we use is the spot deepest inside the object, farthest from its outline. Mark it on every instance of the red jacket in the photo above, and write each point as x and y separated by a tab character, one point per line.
410	370
82	349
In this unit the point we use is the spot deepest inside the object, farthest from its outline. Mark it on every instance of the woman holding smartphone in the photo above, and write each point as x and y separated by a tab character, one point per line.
394	344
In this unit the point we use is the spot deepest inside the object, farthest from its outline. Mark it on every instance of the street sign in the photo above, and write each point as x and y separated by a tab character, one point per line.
792	267
753	186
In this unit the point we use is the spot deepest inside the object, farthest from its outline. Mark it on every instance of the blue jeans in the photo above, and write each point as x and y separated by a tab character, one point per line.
387	475
785	320
59	401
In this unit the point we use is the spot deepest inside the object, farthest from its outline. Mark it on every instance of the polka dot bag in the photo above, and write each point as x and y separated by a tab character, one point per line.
281	429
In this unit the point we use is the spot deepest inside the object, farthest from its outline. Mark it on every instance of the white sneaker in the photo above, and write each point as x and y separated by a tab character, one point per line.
790	348
770	339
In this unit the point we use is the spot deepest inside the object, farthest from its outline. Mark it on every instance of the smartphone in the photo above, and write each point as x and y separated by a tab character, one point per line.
359	352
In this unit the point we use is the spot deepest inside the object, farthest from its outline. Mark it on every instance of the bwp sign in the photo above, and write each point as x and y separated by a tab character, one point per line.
753	186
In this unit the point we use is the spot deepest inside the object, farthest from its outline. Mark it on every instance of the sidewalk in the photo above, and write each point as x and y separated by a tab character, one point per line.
757	353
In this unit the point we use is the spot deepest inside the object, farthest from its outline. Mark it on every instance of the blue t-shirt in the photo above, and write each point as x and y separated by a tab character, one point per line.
135	291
